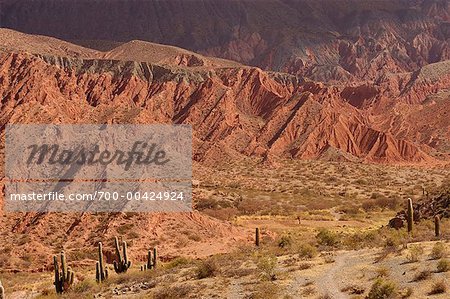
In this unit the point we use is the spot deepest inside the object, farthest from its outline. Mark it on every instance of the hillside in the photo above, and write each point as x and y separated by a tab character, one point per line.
235	111
326	40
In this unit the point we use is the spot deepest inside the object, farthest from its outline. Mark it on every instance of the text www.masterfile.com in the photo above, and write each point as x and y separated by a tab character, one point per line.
99	196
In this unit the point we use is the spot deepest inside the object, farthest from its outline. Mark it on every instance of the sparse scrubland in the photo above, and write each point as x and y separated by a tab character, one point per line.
319	238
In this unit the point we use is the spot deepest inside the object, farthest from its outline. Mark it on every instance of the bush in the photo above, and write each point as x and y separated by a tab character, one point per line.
174	292
307	251
207	268
406	293
382	272
422	275
439	251
84	286
266	265
266	290
414	253
207	203
379	201
327	238
438	287
382	289
285	241
177	262
443	265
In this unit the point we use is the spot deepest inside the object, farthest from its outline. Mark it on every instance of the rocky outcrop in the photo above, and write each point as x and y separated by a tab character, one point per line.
233	111
432	205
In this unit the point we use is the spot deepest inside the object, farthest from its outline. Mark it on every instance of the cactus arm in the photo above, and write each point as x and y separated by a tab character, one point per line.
70	275
64	277
57	282
122	264
116	245
97	272
101	268
149	260
125	252
155	257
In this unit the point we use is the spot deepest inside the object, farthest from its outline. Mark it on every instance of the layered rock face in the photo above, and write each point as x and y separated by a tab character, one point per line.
234	110
326	40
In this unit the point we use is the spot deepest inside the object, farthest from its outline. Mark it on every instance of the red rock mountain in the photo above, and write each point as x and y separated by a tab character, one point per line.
326	40
354	80
234	110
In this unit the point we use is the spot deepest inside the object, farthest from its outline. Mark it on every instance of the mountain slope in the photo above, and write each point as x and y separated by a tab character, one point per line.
233	110
326	40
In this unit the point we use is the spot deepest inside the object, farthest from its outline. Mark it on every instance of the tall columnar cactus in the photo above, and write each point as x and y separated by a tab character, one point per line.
101	272
437	226
2	291
257	236
155	258
410	215
122	264
152	258
63	276
149	264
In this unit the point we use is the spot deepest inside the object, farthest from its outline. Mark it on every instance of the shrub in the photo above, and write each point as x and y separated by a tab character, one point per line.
422	275
439	287
84	286
407	293
382	289
207	203
308	291
177	262
327	238
443	265
329	259
173	292
414	253
382	272
266	290
304	266
285	241
207	268
266	265
307	251
439	251
379	201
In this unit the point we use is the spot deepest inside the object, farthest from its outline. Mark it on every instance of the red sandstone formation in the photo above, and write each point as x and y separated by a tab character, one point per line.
234	110
349	80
